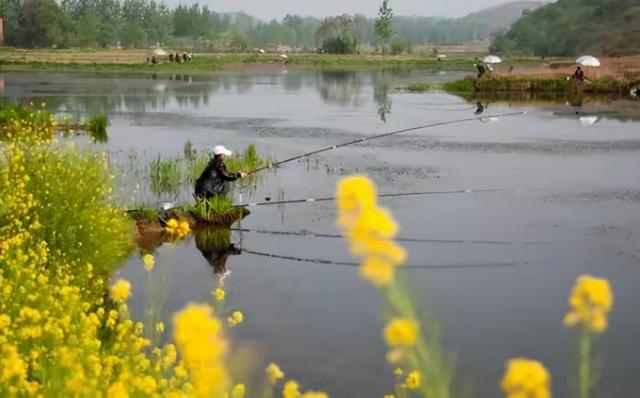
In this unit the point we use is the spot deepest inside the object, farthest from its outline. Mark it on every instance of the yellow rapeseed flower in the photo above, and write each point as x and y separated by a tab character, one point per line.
238	391
590	300
412	382
219	294
198	335
377	271
236	318
526	378
148	261
401	332
356	193
274	373
159	327
314	394
117	390
120	291
290	390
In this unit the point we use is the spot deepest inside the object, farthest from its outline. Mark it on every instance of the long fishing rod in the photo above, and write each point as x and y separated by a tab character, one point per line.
369	138
399	239
268	202
353	264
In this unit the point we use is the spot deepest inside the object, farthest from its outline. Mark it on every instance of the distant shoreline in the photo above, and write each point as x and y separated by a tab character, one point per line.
134	61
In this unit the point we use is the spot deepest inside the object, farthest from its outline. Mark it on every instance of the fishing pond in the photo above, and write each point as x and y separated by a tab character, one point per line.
541	196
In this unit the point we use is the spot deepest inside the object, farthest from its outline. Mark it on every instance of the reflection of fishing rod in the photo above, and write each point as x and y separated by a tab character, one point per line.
406	240
352	264
269	202
359	140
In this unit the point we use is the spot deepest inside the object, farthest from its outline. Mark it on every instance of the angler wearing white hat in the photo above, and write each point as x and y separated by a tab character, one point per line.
215	178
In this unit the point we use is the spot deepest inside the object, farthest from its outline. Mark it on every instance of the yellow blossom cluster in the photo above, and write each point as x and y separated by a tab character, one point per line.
200	339
369	230
148	262
274	373
59	336
590	300
401	332
177	229
526	378
236	318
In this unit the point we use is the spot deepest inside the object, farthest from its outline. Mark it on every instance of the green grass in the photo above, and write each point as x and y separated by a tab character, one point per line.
142	212
166	174
35	60
207	209
459	86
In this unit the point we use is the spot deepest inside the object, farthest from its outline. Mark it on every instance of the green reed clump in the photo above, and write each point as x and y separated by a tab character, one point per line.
165	174
97	126
207	209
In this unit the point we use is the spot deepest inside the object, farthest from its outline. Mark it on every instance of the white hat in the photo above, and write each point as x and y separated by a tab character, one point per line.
221	150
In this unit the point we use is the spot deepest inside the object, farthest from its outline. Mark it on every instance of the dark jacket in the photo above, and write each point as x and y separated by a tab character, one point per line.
214	180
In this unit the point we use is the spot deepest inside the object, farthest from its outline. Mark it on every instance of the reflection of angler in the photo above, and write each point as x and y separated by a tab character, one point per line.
215	246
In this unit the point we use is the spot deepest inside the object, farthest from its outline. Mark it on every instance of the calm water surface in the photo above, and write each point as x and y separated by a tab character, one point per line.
569	204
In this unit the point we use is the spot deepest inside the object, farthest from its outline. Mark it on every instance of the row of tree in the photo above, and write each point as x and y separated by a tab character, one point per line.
140	23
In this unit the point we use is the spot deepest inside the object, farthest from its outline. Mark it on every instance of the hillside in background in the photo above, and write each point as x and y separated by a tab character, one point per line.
574	27
501	17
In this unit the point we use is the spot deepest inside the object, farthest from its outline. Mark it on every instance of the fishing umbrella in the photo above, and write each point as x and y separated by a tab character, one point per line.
159	52
588	60
492	59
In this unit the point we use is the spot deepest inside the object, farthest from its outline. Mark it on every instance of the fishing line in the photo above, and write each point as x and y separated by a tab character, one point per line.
364	139
387	195
353	264
406	240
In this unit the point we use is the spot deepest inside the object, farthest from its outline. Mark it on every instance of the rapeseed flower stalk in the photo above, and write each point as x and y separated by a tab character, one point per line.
370	231
526	378
590	300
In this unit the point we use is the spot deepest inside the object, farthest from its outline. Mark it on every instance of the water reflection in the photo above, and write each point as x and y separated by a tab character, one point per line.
215	246
381	96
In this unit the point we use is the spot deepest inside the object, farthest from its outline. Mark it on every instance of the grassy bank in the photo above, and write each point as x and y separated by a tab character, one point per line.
530	84
135	60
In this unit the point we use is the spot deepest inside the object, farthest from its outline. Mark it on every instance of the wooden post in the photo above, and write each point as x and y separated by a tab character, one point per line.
1	31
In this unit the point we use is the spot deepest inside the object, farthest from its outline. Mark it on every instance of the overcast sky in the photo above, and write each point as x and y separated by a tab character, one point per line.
269	9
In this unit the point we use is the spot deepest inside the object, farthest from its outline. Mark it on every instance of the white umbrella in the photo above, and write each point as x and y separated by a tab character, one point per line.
588	60
159	52
284	56
442	56
588	120
492	59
